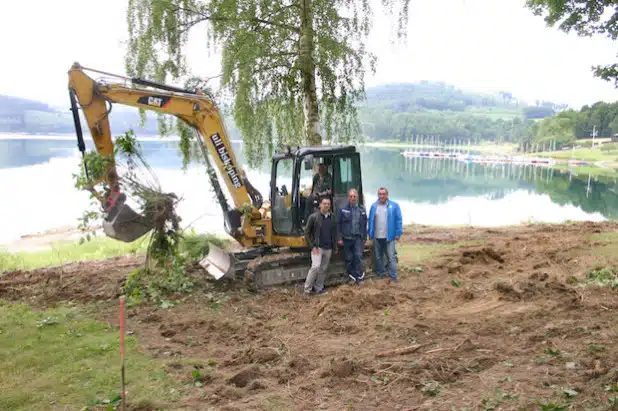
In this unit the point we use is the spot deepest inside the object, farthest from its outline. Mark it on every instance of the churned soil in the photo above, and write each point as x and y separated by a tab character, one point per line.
493	319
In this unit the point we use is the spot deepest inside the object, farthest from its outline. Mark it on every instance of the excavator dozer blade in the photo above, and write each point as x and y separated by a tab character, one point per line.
218	263
125	224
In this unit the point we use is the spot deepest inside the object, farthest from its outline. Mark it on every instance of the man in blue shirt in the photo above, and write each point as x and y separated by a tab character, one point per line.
352	235
385	228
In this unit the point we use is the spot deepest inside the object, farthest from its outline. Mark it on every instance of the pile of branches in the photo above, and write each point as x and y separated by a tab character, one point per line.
164	268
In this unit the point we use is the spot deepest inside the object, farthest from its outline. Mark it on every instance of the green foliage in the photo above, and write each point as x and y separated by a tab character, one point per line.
560	128
67	361
602	277
569	125
264	67
586	18
443	125
163	272
195	246
168	278
406	112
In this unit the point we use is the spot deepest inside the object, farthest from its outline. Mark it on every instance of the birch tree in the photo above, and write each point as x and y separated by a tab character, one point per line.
294	69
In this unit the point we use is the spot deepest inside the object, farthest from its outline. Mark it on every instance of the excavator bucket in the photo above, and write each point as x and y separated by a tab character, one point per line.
218	263
124	224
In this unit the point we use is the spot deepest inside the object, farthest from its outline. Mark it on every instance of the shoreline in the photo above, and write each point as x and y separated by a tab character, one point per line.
595	158
69	237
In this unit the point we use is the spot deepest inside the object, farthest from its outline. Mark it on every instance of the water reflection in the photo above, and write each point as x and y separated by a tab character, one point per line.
430	191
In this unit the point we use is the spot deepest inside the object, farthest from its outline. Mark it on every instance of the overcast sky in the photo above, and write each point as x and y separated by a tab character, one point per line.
484	45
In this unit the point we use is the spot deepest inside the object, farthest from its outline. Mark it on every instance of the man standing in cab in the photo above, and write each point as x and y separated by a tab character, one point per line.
385	228
352	235
320	236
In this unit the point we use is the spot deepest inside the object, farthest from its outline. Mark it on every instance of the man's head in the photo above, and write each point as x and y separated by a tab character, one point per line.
324	205
322	169
382	195
353	196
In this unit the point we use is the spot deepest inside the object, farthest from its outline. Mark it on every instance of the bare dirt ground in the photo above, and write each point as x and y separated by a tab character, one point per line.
500	322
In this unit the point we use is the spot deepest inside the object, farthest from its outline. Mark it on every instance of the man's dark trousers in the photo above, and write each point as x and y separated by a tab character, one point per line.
353	251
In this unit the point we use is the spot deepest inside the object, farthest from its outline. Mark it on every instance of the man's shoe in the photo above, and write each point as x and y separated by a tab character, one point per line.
321	292
351	280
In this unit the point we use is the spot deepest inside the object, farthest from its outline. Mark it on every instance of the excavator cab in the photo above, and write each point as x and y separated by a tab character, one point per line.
295	173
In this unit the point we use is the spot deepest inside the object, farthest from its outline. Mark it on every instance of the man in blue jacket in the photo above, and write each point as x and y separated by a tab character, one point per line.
352	235
385	228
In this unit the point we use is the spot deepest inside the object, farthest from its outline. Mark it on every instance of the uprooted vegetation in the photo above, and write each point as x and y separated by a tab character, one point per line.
163	272
510	318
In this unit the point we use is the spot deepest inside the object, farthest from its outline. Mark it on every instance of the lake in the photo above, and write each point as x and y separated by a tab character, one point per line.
38	193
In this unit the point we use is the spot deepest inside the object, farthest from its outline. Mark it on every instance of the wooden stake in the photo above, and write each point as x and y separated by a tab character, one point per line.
124	399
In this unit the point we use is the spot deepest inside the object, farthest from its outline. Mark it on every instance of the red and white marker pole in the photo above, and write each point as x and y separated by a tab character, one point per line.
124	398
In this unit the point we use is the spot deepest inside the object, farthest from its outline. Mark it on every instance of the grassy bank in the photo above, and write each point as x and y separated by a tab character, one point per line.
585	154
99	248
60	359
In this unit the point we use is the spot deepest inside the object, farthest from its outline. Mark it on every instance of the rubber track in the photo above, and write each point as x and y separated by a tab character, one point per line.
251	267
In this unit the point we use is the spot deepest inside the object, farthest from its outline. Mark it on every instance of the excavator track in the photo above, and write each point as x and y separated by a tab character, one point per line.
264	268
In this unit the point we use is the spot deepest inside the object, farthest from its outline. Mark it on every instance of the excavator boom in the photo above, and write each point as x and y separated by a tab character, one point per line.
196	109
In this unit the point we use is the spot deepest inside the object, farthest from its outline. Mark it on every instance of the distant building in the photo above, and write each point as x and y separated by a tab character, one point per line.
615	138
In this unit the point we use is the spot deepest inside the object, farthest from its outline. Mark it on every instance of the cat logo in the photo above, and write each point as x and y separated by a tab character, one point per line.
155	101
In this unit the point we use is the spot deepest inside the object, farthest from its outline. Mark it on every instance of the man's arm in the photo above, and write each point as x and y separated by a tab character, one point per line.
370	221
338	230
364	223
309	231
398	222
334	235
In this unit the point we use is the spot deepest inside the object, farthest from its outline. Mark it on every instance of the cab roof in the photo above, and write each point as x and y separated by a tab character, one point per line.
328	150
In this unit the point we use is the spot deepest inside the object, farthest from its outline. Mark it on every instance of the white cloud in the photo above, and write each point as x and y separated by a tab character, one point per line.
484	45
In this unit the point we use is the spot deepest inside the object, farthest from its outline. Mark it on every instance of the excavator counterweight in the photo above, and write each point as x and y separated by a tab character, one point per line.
271	233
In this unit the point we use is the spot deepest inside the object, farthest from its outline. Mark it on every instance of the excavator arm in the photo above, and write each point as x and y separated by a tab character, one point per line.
197	110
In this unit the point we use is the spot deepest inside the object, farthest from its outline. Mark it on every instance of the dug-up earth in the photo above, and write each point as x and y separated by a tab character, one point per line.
482	319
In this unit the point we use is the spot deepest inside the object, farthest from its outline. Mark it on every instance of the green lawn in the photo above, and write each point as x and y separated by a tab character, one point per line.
585	154
100	248
69	251
59	359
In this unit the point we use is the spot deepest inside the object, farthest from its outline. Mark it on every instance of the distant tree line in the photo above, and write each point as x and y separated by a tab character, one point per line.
392	112
386	125
569	125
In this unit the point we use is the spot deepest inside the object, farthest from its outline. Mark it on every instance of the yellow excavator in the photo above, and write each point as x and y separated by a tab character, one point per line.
270	232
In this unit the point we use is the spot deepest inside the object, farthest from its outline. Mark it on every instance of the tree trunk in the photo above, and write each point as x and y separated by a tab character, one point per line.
310	97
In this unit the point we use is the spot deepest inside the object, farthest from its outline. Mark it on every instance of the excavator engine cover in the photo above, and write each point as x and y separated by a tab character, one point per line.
124	224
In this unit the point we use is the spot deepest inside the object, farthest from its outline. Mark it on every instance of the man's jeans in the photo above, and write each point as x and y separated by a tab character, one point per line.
353	251
317	273
381	247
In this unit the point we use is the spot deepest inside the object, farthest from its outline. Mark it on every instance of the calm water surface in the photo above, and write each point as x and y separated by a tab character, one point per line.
37	188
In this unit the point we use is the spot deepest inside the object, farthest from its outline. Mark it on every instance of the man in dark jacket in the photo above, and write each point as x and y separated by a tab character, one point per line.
352	235
320	236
